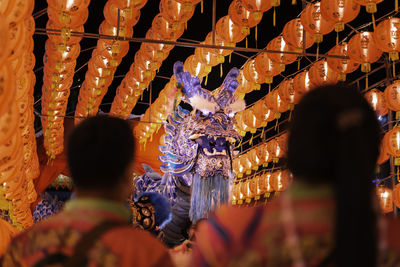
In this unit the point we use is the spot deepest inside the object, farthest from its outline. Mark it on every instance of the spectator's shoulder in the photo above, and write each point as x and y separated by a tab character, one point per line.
137	246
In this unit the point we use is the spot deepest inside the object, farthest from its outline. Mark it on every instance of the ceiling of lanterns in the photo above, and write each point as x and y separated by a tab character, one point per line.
195	30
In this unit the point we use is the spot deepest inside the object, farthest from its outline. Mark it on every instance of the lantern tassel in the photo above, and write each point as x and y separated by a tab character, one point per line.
317	51
230	56
294	2
185	25
276	124
262	132
396	5
274	18
269	88
239	143
201	6
337	38
221	72
256	34
205	82
246	42
373	21
290	114
251	139
298	63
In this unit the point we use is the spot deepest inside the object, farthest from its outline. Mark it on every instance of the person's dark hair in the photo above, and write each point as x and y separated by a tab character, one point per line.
334	138
100	150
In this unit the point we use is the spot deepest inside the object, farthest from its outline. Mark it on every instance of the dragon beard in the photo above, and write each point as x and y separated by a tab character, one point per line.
210	186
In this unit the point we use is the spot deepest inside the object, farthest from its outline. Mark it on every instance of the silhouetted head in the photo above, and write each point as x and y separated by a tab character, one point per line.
100	154
334	138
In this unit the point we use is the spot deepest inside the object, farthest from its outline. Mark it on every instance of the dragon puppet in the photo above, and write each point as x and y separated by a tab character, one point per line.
197	154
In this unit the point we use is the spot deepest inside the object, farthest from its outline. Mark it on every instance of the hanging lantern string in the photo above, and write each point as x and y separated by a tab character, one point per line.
39	13
37	113
41	31
386	178
366	25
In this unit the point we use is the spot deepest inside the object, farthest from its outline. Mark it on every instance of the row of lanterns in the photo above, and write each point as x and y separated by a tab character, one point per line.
19	164
260	185
168	25
120	17
234	27
230	29
61	52
260	155
363	48
326	71
157	113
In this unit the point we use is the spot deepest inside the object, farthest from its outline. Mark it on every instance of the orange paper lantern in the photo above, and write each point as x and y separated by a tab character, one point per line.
339	11
267	189
377	100
70	6
251	120
281	180
362	49
121	4
242	16
342	66
392	96
279	44
287	93
383	153
387	35
257	5
173	10
195	67
274	150
320	74
255	158
167	29
263	64
245	86
392	143
274	102
302	83
396	195
229	31
385	199
264	154
218	41
293	35
251	74
263	113
128	16
65	19
314	23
